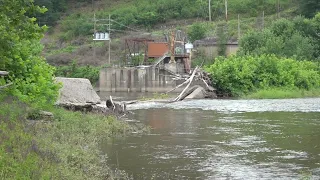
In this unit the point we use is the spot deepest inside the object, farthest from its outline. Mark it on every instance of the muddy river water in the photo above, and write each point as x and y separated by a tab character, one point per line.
222	139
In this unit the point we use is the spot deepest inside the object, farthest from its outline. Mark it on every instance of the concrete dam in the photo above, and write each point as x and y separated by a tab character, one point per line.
139	79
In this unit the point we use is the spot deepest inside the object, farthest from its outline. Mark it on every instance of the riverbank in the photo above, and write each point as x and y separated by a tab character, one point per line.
282	93
65	146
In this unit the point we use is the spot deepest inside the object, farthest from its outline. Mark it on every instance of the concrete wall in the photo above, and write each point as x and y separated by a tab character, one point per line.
148	79
212	51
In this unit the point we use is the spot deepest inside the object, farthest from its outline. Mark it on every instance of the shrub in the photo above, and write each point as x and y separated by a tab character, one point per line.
196	31
75	71
236	76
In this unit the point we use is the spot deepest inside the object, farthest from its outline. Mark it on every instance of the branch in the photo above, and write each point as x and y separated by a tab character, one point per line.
178	86
1	87
112	103
3	73
190	81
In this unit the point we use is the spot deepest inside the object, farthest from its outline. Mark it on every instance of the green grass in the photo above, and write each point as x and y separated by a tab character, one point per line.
63	147
282	93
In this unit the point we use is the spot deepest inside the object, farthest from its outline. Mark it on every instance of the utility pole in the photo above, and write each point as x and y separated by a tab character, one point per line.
94	33
278	9
109	30
238	26
172	42
94	30
210	10
226	10
262	19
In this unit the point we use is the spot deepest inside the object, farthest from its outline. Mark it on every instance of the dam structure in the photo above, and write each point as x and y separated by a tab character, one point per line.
140	79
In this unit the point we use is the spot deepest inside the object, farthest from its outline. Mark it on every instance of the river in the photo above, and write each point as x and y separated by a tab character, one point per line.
222	139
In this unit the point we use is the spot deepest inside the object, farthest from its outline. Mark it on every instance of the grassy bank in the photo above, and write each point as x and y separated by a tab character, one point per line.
63	147
282	93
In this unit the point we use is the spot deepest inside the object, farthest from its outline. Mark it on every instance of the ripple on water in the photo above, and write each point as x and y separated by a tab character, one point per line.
247	141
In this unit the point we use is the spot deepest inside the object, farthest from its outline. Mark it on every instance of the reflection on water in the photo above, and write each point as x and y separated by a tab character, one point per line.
211	144
125	96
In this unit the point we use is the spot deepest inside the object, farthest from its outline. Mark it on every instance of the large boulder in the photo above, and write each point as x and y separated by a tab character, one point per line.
198	93
76	92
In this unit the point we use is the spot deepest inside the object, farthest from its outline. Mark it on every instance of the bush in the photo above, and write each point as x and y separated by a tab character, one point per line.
196	31
75	71
237	76
20	53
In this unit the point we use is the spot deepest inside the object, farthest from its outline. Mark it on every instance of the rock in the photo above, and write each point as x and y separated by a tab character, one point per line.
189	91
46	114
211	95
77	94
198	93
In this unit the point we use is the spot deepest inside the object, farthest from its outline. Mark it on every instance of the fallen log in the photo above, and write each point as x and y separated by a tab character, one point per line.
4	73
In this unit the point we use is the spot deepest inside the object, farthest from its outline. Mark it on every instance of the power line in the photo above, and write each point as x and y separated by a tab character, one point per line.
125	26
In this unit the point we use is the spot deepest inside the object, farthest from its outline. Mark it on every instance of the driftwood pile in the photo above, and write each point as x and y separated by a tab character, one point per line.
197	75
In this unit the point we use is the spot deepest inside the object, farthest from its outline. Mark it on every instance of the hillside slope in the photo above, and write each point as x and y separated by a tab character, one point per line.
70	38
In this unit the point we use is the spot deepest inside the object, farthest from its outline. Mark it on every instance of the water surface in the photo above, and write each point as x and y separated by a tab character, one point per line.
223	139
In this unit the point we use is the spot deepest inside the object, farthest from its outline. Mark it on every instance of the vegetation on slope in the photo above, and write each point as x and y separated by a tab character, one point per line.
273	61
147	13
298	39
63	147
75	71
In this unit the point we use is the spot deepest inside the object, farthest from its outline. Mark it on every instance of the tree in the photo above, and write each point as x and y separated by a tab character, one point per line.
55	9
296	39
20	50
309	8
196	31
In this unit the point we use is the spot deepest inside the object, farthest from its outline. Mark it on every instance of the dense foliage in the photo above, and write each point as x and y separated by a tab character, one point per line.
20	52
297	39
238	75
308	8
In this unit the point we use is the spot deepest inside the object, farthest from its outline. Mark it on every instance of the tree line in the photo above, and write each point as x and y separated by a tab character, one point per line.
150	12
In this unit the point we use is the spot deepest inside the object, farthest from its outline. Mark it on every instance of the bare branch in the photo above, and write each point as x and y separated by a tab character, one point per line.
190	81
3	73
179	86
1	87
